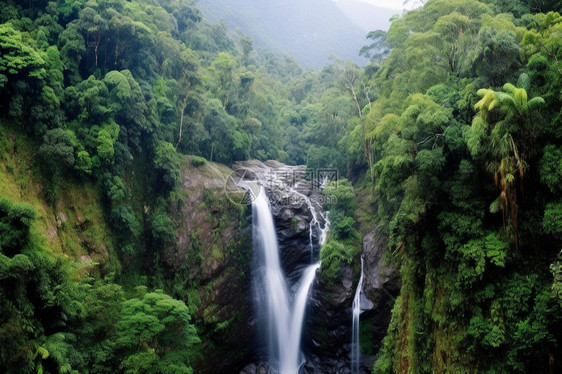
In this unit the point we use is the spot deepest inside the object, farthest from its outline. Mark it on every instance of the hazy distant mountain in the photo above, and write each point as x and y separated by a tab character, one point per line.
367	16
309	30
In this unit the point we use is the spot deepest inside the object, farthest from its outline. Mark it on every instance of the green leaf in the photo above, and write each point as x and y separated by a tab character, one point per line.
524	82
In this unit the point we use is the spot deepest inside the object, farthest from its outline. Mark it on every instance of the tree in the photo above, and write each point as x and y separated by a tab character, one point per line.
497	55
378	49
83	162
154	334
15	223
57	149
166	162
18	57
223	67
503	135
106	138
72	51
22	73
189	79
127	227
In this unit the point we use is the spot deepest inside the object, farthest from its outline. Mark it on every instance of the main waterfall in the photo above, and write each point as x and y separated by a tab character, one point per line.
284	314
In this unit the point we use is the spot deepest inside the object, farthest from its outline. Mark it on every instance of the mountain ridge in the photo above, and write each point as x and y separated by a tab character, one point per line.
309	30
366	15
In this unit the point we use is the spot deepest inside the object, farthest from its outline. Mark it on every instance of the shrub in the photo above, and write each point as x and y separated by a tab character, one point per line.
198	161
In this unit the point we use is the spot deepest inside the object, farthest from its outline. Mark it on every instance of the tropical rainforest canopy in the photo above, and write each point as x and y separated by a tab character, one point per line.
451	137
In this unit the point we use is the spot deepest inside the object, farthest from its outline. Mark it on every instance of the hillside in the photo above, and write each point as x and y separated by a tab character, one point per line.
309	30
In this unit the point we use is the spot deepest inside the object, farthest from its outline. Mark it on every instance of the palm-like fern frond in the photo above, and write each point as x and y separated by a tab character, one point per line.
535	103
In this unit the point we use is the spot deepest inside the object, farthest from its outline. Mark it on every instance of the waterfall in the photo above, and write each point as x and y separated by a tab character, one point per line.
284	319
356	311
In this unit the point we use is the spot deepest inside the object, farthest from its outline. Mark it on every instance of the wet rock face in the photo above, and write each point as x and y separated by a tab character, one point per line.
260	368
381	286
381	281
329	325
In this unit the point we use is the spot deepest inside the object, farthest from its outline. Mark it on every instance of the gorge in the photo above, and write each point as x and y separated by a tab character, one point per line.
411	208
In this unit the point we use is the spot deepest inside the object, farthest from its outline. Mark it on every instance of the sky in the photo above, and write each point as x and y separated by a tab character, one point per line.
391	4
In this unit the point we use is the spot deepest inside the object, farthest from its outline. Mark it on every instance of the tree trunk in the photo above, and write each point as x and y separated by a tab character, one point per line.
183	106
356	101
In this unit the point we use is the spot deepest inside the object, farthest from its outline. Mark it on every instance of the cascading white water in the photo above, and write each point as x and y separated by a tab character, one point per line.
284	319
356	311
323	231
293	360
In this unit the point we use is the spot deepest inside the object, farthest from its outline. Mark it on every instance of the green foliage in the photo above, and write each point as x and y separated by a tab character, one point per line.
498	54
83	163
105	89
115	187
198	161
478	254
386	361
474	296
552	220
334	255
15	223
341	226
105	140
18	56
126	227
155	335
162	229
39	298
58	149
502	135
551	168
166	162
556	270
519	320
52	321
340	196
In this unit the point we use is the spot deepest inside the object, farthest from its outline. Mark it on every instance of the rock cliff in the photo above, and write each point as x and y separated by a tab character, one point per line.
210	266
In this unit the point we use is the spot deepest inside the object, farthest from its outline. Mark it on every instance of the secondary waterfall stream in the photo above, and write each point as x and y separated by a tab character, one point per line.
314	224
356	311
284	314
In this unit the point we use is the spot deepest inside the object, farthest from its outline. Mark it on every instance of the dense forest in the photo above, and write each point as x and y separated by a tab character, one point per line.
450	137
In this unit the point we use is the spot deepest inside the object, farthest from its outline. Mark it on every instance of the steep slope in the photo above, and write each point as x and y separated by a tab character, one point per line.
309	30
74	225
207	267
